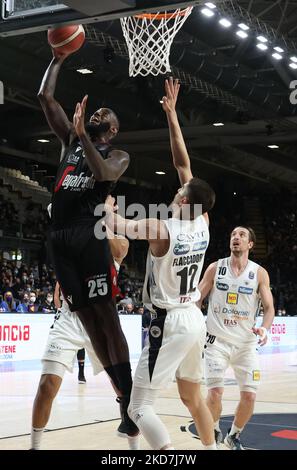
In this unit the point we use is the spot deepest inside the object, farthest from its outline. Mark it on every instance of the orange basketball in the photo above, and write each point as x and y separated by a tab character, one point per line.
66	39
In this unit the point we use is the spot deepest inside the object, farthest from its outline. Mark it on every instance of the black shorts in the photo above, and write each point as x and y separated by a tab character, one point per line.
84	266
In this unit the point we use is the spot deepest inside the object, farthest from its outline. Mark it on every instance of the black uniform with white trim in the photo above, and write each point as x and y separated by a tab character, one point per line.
83	264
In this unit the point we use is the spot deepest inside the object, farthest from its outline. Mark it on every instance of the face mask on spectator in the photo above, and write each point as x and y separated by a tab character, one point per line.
26	300
32	299
24	278
49	299
8	298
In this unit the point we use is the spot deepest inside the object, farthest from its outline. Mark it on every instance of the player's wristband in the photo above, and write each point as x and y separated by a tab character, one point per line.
264	334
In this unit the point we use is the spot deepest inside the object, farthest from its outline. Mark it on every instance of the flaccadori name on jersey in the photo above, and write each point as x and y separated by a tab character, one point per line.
81	181
185	260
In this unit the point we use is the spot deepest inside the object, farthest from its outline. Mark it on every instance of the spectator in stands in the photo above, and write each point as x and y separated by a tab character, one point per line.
126	300
23	306
16	288
7	284
48	306
145	323
129	309
33	306
8	304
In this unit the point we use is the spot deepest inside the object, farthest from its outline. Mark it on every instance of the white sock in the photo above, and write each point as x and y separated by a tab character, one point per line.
217	425
134	442
210	447
234	430
36	435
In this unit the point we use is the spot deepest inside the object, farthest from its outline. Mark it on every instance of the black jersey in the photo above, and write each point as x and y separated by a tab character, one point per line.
76	192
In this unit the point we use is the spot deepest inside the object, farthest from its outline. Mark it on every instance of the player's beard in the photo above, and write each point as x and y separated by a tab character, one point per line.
96	131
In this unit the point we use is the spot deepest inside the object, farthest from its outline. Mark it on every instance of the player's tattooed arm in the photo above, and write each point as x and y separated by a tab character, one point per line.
55	115
181	159
206	283
103	170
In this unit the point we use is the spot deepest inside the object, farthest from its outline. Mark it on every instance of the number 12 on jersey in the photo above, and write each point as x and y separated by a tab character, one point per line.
186	274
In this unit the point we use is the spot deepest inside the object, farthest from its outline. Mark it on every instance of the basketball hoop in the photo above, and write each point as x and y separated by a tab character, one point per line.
149	37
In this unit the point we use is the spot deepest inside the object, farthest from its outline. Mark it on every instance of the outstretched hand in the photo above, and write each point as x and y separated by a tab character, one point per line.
171	89
79	117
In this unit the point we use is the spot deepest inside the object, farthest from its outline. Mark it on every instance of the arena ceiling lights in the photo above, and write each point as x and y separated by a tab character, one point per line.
210	10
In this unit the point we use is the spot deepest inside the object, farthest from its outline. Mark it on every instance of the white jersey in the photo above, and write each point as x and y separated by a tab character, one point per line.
233	303
172	280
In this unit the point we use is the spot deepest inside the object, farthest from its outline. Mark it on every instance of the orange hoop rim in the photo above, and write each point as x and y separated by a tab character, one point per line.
163	16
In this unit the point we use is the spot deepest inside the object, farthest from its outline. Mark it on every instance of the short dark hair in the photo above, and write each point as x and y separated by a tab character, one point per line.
252	235
113	117
200	192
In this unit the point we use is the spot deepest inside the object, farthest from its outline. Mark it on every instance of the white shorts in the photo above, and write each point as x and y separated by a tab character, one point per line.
66	336
219	355
174	349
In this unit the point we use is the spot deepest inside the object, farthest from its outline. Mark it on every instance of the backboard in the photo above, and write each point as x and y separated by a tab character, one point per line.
28	16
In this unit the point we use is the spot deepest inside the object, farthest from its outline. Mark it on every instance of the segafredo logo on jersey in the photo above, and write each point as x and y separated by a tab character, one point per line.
81	181
74	182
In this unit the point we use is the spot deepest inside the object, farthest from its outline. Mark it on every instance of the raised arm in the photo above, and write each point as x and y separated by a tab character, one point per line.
181	159
152	230
103	170
206	283
55	115
267	301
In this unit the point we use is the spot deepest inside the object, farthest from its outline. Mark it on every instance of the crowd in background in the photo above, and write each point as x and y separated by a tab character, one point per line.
30	223
30	288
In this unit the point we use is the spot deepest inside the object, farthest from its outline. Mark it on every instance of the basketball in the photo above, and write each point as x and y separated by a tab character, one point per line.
67	39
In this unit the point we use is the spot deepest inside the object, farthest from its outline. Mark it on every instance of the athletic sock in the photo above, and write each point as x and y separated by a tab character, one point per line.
134	442
36	435
81	368
234	430
217	425
210	447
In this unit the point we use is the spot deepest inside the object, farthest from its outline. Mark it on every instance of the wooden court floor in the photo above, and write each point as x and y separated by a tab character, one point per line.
85	417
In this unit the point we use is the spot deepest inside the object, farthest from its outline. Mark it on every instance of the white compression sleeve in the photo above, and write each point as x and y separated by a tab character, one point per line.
142	413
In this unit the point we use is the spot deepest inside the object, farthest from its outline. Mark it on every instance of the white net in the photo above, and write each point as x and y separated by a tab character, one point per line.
149	38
